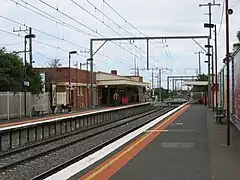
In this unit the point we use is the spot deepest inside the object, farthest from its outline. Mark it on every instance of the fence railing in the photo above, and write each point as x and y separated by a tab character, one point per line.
12	104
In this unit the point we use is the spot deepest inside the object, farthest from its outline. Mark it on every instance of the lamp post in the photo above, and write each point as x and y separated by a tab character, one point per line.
69	74
26	82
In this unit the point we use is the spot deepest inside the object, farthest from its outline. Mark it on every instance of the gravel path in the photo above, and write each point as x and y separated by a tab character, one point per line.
30	169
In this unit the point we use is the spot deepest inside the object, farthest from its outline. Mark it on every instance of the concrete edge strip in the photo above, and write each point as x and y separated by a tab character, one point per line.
68	117
86	162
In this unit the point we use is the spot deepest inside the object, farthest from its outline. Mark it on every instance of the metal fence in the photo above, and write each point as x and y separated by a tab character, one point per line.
12	104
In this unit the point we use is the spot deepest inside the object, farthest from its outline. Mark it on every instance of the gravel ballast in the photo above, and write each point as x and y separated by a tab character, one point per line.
30	169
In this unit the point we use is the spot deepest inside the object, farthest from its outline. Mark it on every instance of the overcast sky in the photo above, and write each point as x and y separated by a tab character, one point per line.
151	18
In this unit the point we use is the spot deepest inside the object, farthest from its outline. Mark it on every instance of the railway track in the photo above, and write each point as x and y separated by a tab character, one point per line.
22	156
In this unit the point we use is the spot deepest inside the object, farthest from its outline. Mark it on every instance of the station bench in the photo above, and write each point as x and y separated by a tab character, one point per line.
220	114
39	109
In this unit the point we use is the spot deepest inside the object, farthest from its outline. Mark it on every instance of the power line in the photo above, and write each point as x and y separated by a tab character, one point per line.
11	44
109	18
43	32
81	24
122	17
78	5
61	12
221	20
52	18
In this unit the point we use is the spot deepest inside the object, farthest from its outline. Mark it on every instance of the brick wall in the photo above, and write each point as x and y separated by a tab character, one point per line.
62	74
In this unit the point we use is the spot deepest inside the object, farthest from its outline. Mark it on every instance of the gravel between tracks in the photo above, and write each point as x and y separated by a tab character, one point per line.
30	169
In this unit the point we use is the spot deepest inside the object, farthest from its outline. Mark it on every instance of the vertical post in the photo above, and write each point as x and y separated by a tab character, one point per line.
168	84
227	61
160	85
135	66
20	105
77	88
80	65
30	104
152	84
147	54
209	86
30	48
216	76
25	76
212	79
69	78
199	63
8	105
210	19
91	69
87	97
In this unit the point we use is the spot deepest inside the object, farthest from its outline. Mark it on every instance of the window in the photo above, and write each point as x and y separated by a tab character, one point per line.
80	91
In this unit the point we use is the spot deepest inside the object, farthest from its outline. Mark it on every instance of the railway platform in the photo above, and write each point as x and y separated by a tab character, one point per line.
186	145
23	120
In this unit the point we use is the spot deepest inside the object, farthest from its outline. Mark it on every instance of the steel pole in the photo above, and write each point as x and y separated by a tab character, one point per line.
227	61
91	69
25	76
209	86
199	63
69	78
212	80
216	76
160	85
30	48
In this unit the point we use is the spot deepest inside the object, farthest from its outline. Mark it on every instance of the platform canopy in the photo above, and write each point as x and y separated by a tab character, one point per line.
106	79
195	83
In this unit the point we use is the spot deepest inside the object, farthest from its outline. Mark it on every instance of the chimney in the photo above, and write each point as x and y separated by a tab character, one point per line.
114	72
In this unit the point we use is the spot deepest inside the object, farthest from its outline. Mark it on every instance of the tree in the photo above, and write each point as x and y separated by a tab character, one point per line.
12	74
53	76
55	63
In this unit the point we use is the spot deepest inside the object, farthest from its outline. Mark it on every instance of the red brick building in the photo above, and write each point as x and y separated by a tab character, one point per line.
80	92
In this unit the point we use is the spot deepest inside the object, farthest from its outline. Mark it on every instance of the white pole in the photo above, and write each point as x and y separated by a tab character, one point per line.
30	103
8	104
20	105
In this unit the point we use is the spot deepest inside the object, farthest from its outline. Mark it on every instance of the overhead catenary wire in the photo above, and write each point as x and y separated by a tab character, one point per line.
221	19
123	17
40	31
80	23
51	18
110	19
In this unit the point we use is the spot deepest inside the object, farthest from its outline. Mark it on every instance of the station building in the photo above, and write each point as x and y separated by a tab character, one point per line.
109	88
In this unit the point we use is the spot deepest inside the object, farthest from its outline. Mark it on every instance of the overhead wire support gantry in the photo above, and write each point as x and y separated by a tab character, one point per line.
147	39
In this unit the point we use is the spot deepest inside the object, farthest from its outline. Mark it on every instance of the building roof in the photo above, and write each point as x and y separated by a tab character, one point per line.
196	83
104	79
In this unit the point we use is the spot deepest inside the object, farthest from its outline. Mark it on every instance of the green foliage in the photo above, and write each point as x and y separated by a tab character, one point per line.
12	74
165	94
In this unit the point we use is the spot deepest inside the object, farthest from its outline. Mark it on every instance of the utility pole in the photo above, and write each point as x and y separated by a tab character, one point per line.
30	48
152	83
199	61
216	76
212	79
160	85
228	11
135	66
210	25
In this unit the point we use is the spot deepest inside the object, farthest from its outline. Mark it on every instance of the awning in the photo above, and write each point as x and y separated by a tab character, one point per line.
121	82
195	83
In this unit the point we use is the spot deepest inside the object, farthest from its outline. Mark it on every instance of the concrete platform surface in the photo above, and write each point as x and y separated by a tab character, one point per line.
193	148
